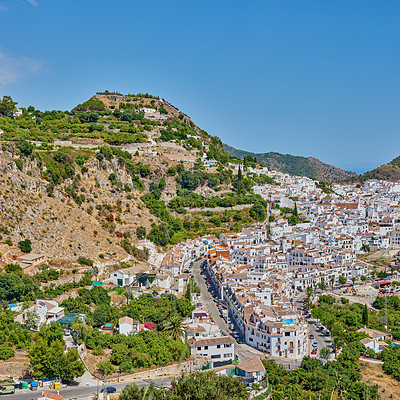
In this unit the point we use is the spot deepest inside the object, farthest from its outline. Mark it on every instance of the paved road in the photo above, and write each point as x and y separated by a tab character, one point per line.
322	340
79	392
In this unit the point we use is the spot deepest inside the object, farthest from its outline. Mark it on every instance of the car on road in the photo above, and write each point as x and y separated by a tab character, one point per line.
314	350
9	389
108	389
311	336
315	343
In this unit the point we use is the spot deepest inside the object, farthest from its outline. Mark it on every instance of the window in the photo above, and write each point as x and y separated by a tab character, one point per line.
216	356
199	348
251	339
228	355
205	347
287	333
227	345
218	346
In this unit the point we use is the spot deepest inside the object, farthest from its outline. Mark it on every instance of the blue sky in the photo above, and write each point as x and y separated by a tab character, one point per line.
313	78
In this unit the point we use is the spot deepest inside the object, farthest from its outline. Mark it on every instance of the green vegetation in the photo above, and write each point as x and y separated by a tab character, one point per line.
7	106
15	286
159	345
314	381
47	357
25	245
198	386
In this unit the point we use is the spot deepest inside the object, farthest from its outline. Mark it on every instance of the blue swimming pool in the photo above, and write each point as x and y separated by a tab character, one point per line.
288	321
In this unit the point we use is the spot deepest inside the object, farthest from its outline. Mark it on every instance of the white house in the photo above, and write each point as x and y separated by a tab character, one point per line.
220	349
44	312
127	325
371	344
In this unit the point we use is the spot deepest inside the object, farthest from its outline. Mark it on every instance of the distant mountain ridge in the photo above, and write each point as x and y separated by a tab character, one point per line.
297	165
387	172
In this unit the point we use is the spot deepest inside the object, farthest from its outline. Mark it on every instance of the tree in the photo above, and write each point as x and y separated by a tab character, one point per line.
342	280
365	248
382	274
365	315
363	278
100	315
15	268
325	353
353	279
49	360
322	285
257	212
309	292
7	106
332	283
240	188
6	352
141	232
25	245
197	386
173	327
32	319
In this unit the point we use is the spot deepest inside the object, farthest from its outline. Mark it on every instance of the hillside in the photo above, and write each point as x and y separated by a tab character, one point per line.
297	165
388	172
95	180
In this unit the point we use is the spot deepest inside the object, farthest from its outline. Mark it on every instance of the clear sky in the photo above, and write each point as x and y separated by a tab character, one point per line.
305	77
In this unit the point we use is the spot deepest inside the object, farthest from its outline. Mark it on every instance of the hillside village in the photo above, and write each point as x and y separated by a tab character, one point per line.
141	243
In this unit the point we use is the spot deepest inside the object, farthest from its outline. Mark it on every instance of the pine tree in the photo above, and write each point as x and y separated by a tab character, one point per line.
365	315
240	181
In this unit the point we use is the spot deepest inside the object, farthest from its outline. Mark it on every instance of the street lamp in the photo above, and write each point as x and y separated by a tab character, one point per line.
119	371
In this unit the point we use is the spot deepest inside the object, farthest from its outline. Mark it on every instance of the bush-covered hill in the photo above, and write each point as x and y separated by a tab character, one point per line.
387	172
297	165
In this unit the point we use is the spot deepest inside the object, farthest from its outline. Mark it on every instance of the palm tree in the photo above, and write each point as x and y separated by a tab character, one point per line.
332	282
173	327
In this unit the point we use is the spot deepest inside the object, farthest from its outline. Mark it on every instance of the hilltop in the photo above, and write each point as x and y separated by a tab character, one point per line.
95	180
296	165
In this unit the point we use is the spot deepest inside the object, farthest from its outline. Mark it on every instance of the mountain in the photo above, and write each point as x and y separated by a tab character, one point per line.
297	165
387	172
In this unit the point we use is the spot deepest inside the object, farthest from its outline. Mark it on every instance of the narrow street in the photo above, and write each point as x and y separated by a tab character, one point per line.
319	337
243	351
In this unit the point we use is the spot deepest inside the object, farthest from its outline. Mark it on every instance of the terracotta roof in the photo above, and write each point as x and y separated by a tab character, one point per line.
50	395
129	320
218	340
252	365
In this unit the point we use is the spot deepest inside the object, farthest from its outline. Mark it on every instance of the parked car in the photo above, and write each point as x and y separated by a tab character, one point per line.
315	343
109	389
9	389
311	336
314	350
